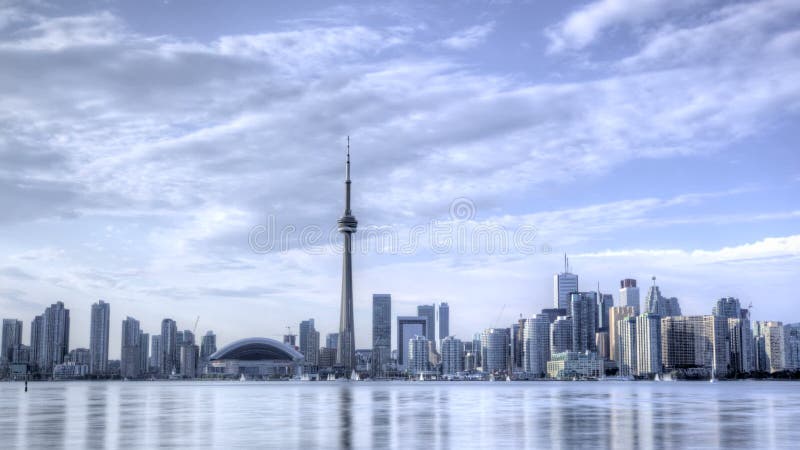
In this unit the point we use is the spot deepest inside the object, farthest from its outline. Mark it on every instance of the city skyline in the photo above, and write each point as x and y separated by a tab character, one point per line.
142	187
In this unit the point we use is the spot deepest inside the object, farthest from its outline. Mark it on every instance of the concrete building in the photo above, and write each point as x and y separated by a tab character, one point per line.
695	342
629	295
444	320
774	345
100	326
347	225
429	312
628	354
168	362
495	345
536	344
407	328
452	356
256	358
570	365
561	335
381	333
615	314
648	345
584	321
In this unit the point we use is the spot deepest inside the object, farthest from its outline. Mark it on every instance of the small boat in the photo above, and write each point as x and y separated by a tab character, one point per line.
657	378
242	378
421	377
354	376
331	377
508	378
305	377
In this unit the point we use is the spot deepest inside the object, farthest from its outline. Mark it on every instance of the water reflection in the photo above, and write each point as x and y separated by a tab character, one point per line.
400	415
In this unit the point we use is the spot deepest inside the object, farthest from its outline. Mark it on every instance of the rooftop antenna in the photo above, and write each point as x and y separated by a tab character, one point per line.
566	263
654	280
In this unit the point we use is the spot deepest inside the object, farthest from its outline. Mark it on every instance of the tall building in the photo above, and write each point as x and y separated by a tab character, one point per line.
189	355
54	341
604	304
452	356
627	346
615	314
381	332
476	349
774	345
727	307
429	311
518	345
407	328
655	303
309	342
169	347
554	313
584	321
629	294
155	353
418	347
741	345
444	320
561	335
37	335
291	340
12	337
98	338
648	344
536	344
564	284
346	347
144	356
332	340
695	342
208	346
495	344
130	356
791	347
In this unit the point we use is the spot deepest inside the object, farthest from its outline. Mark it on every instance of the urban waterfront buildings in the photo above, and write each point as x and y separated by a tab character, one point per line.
648	345
561	335
12	337
169	347
628	354
536	345
381	332
495	343
584	321
407	328
309	344
452	356
571	365
208	346
100	326
130	354
155	353
629	294
51	337
418	356
444	320
564	284
615	314
429	312
347	224
655	303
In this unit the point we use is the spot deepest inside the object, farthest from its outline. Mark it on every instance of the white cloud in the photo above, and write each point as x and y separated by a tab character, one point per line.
470	37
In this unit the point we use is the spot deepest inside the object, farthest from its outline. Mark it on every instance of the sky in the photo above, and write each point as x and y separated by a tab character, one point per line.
185	159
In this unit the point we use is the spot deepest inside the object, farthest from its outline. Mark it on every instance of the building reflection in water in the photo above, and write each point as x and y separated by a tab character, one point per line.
96	414
346	417
381	418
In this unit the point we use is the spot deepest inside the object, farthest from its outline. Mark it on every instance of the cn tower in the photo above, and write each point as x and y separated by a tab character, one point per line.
346	348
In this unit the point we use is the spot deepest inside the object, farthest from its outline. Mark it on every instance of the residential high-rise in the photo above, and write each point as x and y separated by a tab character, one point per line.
536	345
602	344
615	314
695	342
584	321
554	313
774	345
188	355
518	345
130	355
98	338
564	284
291	339
208	346
791	347
144	356
381	332
54	342
444	320
741	345
561	335
629	294
604	303
309	342
627	346
407	328
429	311
332	340
169	347
346	347
37	335
648	344
418	347
655	303
452	356
495	344
155	353
476	349
727	307
12	337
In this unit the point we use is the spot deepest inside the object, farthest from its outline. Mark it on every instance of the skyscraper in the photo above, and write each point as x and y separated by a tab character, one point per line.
144	347
494	349
407	328
563	285
37	334
536	345
169	347
648	344
130	356
629	294
208	346
452	356
381	332
98	338
584	321
561	335
429	311
418	347
727	307
188	355
774	345
627	346
309	342
12	337
791	347
695	342
604	303
346	347
54	341
655	303
444	320
155	353
615	314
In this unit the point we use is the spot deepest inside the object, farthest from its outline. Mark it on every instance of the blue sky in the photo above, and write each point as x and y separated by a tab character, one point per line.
141	142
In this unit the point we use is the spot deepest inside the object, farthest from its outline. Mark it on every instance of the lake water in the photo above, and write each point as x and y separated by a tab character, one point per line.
741	414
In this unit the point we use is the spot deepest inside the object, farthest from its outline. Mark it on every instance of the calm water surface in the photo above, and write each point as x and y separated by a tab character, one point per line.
744	414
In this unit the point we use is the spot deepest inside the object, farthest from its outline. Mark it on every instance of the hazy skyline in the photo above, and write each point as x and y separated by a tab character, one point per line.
140	142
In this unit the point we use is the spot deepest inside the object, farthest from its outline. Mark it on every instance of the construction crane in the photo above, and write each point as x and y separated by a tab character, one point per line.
194	330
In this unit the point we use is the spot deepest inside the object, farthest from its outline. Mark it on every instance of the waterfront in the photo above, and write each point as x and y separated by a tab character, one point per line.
736	414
